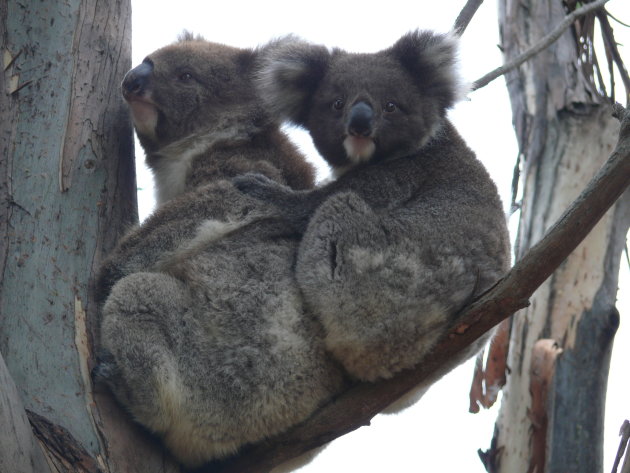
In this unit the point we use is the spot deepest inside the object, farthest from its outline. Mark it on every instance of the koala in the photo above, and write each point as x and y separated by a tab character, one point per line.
413	228
203	334
198	119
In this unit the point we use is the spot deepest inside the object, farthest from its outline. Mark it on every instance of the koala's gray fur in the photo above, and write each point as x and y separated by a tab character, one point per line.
206	128
203	335
413	228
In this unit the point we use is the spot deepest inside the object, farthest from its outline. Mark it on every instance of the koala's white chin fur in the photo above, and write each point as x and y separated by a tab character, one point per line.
359	149
144	115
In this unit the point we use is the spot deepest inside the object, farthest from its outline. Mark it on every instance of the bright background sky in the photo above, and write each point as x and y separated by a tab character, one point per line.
438	433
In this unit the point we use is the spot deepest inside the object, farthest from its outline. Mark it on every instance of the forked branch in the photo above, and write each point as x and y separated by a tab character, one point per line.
544	43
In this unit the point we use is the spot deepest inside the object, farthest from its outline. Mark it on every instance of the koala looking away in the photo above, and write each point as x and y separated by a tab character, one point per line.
197	116
203	336
413	228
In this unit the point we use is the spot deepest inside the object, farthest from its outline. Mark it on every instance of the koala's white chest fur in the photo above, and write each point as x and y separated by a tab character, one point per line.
173	165
171	171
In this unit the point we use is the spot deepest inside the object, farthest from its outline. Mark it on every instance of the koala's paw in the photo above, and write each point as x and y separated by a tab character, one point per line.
105	368
261	187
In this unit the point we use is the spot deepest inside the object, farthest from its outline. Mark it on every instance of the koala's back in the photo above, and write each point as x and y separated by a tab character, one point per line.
243	359
268	152
208	193
455	193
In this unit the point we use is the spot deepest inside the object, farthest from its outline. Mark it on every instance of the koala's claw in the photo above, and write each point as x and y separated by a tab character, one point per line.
105	367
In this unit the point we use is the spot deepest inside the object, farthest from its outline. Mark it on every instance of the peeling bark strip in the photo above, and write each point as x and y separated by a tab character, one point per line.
542	369
477	394
64	451
357	406
487	383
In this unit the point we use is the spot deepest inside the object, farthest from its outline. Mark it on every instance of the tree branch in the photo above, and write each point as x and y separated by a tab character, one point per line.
357	406
544	43
609	39
464	17
624	433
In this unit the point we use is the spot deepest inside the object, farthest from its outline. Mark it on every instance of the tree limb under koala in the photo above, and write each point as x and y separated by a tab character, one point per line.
357	406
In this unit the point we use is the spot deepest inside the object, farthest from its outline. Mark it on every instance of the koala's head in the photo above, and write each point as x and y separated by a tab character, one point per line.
188	86
362	107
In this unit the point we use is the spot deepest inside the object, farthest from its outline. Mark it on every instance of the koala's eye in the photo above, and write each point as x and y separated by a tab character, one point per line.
185	77
390	107
338	104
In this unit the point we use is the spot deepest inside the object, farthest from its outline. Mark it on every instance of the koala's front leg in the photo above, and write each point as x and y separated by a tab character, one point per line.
364	280
338	269
296	207
138	352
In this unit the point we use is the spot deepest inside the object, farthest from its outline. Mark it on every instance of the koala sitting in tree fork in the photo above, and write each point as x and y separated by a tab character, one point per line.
413	228
204	339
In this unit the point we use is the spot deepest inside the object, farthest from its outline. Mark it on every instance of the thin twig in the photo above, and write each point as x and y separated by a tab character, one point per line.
624	433
545	42
618	20
464	17
516	176
609	39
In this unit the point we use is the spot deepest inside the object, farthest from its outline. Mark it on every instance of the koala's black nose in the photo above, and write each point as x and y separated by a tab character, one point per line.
360	119
137	79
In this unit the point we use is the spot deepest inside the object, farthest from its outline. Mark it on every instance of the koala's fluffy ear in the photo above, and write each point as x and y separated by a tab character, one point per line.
289	73
431	59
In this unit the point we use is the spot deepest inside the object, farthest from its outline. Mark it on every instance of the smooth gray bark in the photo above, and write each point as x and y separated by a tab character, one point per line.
67	193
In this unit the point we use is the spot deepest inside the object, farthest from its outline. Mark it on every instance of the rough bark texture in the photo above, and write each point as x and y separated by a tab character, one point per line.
565	133
67	192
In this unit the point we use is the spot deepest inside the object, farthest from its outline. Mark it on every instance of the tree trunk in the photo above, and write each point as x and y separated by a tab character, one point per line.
67	187
551	417
19	451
